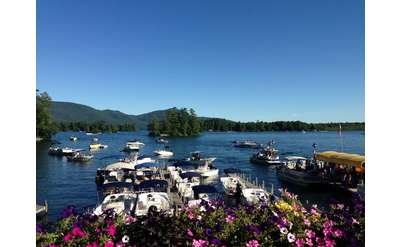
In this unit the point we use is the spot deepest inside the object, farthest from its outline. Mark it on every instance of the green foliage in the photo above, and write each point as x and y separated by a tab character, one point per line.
44	124
218	124
177	122
95	127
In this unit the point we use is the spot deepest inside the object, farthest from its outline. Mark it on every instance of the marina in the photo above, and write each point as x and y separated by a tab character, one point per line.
214	145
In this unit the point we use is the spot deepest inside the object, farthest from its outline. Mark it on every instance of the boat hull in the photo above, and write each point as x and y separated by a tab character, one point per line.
255	160
299	178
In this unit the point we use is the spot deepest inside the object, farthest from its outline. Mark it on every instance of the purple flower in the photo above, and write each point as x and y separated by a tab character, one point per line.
199	243
252	243
68	237
208	232
329	242
215	241
39	228
338	233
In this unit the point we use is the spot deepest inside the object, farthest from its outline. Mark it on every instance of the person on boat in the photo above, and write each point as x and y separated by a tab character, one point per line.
238	193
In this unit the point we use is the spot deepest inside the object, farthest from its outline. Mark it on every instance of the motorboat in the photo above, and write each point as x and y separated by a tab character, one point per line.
80	157
185	181
94	145
230	184
69	151
161	140
73	138
295	170
205	192
164	153
134	145
55	151
207	170
115	188
232	171
247	144
255	195
197	158
268	156
138	204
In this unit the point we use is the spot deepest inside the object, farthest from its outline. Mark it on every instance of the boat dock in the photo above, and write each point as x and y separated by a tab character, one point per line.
250	182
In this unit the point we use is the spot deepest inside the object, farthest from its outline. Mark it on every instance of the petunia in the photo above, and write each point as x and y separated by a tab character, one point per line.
299	243
199	243
307	222
252	243
283	230
291	237
68	237
78	232
94	244
189	233
310	233
309	242
109	243
111	230
229	219
125	239
338	233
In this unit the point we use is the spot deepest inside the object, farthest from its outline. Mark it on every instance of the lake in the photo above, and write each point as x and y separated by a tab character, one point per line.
62	183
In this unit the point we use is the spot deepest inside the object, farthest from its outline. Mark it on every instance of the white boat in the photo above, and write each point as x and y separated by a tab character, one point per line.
73	138
268	156
230	184
137	203
197	158
162	140
185	181
203	193
164	153
246	144
255	195
293	170
133	146
69	151
207	170
80	157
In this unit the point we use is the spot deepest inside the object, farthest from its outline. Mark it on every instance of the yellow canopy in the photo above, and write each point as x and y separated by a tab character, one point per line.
354	160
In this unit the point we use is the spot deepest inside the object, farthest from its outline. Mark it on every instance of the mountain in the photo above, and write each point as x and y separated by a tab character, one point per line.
72	112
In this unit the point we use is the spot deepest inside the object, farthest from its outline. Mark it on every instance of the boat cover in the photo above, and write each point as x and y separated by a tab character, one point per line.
189	175
354	160
153	184
198	189
147	165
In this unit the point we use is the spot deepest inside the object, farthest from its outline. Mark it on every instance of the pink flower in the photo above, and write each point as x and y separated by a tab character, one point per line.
68	237
327	232
354	221
299	243
97	230
199	243
329	242
328	223
53	245
309	242
340	206
291	237
111	230
229	219
94	244
130	220
338	233
78	232
191	216
252	243
109	243
307	222
189	233
119	244
310	233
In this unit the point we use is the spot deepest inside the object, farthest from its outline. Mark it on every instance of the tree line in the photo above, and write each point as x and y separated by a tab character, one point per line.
95	127
218	124
45	126
177	122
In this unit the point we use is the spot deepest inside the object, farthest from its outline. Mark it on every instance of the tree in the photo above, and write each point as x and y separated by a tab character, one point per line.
153	127
44	124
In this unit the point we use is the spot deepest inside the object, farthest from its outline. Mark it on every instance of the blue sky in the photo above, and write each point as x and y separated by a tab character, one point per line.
241	60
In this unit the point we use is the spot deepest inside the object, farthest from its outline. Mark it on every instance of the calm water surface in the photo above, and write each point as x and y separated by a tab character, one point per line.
62	183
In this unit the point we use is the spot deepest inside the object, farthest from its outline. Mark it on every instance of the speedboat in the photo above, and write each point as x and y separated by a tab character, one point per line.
255	195
94	146
203	193
198	159
80	157
164	153
268	156
55	151
69	151
162	140
247	144
73	138
185	181
133	146
230	184
294	170
207	170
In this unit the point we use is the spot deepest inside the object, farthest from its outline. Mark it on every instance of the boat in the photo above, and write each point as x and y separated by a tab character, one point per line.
55	151
203	193
207	170
138	204
267	156
69	151
255	195
161	140
247	144
73	138
94	146
80	157
197	158
42	210
164	153
134	145
230	184
232	171
185	181
295	170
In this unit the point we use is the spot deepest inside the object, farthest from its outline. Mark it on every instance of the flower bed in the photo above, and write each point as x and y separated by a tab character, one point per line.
283	223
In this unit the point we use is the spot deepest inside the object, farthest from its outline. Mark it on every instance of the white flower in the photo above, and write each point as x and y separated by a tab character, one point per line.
284	230
125	239
202	209
290	225
291	238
